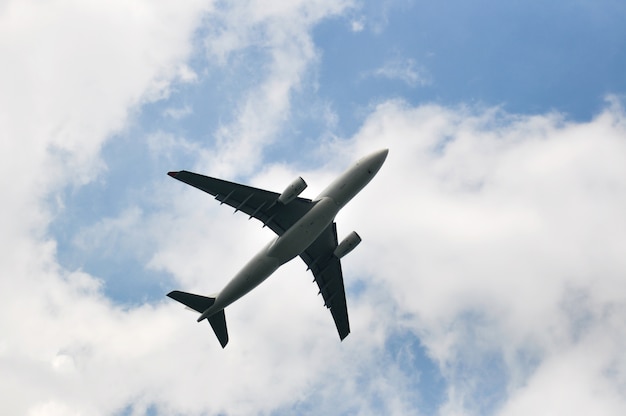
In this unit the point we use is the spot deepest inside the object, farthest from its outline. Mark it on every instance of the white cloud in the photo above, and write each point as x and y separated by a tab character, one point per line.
505	240
71	73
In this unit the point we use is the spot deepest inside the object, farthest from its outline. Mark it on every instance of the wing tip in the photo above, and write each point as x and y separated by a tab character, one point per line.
344	332
173	174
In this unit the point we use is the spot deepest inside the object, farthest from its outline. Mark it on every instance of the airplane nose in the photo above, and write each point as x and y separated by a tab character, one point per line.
376	160
380	156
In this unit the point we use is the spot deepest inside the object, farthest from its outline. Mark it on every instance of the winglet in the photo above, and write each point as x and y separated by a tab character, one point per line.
172	174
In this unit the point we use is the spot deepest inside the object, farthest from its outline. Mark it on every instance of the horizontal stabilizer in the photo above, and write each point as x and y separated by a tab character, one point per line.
200	304
196	302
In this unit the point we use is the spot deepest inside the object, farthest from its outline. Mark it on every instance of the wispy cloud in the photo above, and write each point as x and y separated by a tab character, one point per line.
405	70
357	25
281	32
178	112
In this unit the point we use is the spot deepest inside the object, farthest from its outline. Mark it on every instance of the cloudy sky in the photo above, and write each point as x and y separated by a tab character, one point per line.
492	275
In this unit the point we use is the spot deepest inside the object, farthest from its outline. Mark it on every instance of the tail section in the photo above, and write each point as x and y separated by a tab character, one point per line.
201	304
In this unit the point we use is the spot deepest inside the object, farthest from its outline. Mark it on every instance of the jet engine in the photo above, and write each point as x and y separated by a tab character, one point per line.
347	244
292	191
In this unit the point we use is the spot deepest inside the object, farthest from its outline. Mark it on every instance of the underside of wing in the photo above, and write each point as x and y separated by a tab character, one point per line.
257	203
326	268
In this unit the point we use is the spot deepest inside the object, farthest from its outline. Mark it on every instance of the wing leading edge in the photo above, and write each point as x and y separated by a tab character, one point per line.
257	203
263	205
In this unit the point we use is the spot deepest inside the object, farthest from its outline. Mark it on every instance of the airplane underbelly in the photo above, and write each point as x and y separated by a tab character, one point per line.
300	236
259	268
279	251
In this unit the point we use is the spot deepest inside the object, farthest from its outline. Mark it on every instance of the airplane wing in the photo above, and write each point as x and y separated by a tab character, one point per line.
326	268
257	203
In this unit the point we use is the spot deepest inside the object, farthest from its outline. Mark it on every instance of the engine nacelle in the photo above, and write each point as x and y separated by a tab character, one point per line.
292	191
347	244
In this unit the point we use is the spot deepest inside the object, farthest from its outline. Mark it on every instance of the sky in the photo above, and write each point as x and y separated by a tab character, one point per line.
491	279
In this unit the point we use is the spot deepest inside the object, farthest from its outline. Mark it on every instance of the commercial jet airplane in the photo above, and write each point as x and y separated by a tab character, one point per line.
305	228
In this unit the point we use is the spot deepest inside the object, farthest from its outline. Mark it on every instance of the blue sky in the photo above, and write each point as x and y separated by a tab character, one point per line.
490	278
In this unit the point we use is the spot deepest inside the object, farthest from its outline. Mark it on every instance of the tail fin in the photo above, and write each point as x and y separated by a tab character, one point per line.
201	304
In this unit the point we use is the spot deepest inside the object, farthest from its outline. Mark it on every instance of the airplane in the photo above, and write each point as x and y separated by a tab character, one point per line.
304	228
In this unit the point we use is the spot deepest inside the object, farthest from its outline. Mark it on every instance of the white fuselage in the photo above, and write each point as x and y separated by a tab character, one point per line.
300	236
